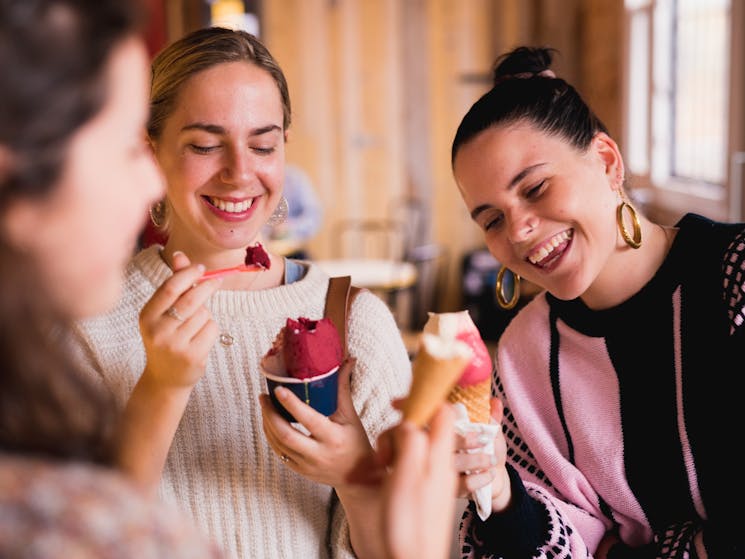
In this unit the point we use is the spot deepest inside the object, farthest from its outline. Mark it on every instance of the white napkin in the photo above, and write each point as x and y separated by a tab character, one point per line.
463	426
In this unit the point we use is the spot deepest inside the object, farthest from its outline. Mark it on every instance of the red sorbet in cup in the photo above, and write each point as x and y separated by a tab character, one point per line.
311	347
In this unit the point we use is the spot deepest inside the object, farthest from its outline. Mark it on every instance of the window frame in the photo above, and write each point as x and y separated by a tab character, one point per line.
668	199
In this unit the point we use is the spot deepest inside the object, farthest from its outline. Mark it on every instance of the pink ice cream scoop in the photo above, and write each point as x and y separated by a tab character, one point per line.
479	369
473	389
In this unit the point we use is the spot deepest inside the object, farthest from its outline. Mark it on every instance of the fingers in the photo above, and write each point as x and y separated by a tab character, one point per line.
316	423
476	468
281	435
384	447
442	450
410	453
179	297
398	403
472	462
178	305
497	410
345	405
176	326
472	441
180	260
467	484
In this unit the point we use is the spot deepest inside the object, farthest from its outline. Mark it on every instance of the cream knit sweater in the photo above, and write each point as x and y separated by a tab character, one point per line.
220	468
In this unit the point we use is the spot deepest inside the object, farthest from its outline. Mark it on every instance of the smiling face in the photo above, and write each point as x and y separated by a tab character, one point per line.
547	211
222	153
82	235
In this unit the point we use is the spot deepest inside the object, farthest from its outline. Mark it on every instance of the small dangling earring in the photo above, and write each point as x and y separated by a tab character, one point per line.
279	215
158	214
636	240
503	302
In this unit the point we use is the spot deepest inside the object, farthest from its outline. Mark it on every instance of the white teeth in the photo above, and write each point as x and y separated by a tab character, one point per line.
549	247
231	207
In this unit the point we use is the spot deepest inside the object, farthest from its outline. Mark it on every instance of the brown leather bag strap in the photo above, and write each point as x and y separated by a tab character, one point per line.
339	298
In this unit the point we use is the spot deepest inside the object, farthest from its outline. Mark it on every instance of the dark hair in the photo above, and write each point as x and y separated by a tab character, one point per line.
525	90
54	56
198	51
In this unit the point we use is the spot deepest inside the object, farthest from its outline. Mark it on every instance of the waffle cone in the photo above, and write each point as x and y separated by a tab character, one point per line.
476	399
432	379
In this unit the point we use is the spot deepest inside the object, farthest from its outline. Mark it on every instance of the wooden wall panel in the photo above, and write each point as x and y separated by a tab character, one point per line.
379	87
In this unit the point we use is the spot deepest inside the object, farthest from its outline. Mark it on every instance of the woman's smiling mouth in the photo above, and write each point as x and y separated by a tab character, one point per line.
547	253
230	206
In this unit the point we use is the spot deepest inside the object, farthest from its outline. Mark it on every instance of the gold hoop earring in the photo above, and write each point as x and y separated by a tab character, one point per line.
636	240
501	299
158	214
279	215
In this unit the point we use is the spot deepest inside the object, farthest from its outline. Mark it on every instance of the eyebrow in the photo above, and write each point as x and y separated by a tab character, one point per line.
515	180
219	130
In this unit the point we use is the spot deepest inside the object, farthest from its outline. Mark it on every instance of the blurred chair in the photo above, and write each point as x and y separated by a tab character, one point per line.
368	238
414	218
430	258
432	263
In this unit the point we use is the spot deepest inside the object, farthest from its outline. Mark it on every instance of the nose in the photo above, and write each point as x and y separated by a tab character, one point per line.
236	168
520	225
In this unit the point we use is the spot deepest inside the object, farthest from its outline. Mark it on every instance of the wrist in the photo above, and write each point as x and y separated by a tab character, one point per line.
501	491
152	385
350	494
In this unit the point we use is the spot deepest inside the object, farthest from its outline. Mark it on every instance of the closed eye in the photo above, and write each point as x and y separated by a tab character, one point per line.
534	191
493	221
202	149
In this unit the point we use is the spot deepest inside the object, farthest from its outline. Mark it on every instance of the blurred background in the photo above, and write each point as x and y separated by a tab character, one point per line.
378	88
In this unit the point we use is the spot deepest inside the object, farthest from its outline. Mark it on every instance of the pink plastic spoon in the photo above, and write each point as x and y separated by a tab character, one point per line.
257	260
212	274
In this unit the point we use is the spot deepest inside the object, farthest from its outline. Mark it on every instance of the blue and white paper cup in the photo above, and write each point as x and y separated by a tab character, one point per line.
319	392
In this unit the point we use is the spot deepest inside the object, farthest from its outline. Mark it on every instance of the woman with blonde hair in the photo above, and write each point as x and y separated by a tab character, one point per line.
181	356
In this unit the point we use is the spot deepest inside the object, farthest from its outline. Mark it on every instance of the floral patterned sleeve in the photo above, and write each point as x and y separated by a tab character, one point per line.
50	510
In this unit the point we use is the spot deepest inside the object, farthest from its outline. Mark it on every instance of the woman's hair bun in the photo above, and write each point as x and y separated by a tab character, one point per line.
523	62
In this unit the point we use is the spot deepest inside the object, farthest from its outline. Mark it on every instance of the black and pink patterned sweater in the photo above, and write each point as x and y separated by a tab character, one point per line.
628	421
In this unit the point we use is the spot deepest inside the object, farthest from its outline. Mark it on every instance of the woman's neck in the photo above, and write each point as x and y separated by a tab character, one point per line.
628	270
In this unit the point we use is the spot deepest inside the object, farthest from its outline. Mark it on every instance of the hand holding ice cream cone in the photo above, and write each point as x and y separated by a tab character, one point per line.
472	392
473	388
438	365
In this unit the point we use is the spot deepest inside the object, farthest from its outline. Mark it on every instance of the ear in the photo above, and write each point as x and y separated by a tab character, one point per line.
151	144
6	161
21	221
16	218
287	135
610	156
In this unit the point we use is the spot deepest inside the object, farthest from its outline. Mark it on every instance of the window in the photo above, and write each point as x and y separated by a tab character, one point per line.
679	98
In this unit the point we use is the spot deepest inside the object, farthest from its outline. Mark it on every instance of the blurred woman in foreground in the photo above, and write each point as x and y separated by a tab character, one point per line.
75	179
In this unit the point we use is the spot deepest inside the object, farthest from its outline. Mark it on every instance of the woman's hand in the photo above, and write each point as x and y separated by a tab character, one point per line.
335	447
177	329
418	494
334	452
176	345
477	469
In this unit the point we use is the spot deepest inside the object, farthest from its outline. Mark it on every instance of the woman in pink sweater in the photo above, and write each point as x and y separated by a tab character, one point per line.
616	380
